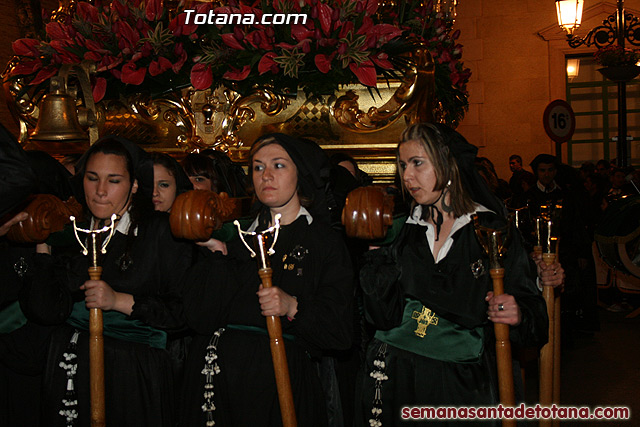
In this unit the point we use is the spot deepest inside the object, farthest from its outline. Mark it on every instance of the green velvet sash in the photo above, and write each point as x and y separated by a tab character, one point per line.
11	318
116	325
424	333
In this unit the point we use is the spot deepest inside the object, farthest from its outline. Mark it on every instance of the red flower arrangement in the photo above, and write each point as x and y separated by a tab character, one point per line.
139	43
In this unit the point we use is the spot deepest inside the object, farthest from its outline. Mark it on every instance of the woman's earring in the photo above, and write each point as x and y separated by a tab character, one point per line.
445	207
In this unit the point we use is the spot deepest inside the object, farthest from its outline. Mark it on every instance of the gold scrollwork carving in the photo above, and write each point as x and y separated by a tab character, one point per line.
413	99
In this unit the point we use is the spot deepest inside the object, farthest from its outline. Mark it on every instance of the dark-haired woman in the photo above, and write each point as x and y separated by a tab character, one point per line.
169	181
230	379
199	168
138	293
430	295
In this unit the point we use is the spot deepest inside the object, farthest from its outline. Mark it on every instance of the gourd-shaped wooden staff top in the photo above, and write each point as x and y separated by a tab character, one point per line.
367	213
46	214
196	214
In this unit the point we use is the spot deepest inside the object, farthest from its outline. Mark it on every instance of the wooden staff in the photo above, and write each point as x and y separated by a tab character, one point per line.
557	336
96	359
503	349
550	353
279	357
556	354
491	241
278	353
96	338
546	354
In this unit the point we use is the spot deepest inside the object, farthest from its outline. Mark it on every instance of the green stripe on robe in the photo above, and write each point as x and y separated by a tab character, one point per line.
117	325
11	318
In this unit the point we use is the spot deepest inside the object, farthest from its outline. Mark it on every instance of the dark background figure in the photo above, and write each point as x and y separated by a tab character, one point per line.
199	168
498	186
169	181
70	161
17	180
346	161
580	296
23	344
620	187
231	177
603	168
519	174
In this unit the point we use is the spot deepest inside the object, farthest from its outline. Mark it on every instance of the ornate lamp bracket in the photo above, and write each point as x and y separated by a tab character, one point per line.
608	33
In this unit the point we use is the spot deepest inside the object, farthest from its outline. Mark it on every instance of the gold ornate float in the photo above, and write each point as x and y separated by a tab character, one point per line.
364	121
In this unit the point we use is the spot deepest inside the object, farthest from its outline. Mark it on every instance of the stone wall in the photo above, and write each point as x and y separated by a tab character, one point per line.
516	50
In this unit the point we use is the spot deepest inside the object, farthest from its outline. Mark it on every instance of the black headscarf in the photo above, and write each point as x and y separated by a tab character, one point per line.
313	172
183	183
140	159
17	180
464	155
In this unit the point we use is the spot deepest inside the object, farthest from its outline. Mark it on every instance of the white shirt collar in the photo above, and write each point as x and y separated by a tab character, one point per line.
542	188
431	230
122	226
302	212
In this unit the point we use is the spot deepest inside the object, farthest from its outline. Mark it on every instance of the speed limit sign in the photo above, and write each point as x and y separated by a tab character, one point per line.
559	121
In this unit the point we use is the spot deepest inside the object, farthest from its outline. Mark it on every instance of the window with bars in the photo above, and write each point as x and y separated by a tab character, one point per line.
594	101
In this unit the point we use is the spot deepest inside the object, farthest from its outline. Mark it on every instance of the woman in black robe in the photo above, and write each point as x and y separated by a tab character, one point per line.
230	379
429	292
139	295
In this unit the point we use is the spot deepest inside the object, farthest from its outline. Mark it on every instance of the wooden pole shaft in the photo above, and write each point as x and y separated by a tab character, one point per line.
556	355
279	357
96	359
503	351
547	352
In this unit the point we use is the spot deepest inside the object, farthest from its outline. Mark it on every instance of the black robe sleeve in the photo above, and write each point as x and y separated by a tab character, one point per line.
160	304
210	287
519	281
44	298
152	276
221	290
382	295
324	317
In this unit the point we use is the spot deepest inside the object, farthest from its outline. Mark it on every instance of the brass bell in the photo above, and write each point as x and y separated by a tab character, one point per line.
58	119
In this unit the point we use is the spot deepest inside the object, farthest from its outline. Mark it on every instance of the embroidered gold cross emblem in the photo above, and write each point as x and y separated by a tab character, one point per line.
424	318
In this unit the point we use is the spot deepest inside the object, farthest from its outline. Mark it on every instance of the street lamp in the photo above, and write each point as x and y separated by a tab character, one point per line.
618	28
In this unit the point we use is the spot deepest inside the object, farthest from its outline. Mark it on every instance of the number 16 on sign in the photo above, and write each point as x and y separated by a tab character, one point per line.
559	121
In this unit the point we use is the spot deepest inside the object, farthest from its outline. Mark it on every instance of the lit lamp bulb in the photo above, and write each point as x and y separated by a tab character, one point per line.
573	66
569	14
